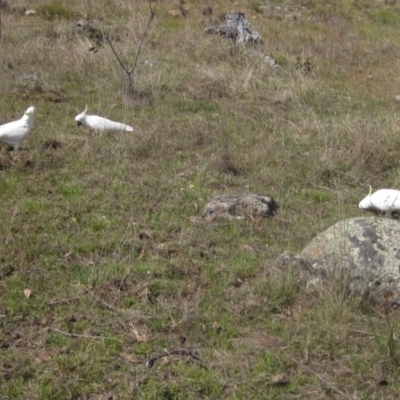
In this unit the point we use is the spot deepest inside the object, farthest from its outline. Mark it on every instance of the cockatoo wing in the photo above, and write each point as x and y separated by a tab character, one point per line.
103	124
386	200
13	132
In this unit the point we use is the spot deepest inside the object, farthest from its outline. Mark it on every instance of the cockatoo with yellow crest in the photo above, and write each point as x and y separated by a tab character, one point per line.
384	200
101	124
13	132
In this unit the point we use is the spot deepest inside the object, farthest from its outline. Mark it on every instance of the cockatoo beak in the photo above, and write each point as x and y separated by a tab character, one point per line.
79	123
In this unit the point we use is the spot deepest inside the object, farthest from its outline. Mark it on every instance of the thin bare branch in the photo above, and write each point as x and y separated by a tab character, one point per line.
110	43
152	15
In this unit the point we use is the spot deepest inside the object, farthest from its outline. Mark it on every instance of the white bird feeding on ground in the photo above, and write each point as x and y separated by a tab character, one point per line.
13	132
384	200
101	124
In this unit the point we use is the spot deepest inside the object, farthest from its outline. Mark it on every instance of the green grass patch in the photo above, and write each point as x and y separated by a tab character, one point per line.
55	9
102	264
385	16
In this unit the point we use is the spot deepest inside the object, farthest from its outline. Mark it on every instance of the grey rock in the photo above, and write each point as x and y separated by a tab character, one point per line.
237	28
96	35
242	206
290	265
362	253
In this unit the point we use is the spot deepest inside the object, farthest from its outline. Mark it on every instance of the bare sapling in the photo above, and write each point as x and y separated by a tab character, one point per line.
130	71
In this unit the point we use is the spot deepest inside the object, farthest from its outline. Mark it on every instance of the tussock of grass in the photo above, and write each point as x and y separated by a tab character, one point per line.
97	225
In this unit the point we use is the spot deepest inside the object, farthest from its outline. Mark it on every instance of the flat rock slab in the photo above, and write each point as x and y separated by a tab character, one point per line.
242	206
362	252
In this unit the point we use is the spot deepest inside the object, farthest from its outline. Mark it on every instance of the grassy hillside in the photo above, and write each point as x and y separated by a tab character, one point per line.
100	265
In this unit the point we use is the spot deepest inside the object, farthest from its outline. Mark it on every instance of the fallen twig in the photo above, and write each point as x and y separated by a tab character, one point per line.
109	306
320	377
83	336
178	351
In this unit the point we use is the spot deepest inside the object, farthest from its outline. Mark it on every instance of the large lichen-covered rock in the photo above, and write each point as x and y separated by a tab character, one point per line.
362	252
242	206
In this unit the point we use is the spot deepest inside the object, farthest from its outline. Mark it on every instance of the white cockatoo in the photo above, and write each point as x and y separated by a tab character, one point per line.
13	132
101	124
384	200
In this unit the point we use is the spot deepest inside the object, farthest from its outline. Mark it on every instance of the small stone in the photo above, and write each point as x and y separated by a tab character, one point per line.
174	13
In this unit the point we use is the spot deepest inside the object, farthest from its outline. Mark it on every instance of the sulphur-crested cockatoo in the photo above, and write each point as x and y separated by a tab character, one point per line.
13	132
384	200
101	124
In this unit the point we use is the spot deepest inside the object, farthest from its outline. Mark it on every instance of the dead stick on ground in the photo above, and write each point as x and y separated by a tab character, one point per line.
178	351
109	306
321	378
83	336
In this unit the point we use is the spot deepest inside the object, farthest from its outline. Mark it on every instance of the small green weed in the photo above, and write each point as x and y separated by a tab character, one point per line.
386	16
